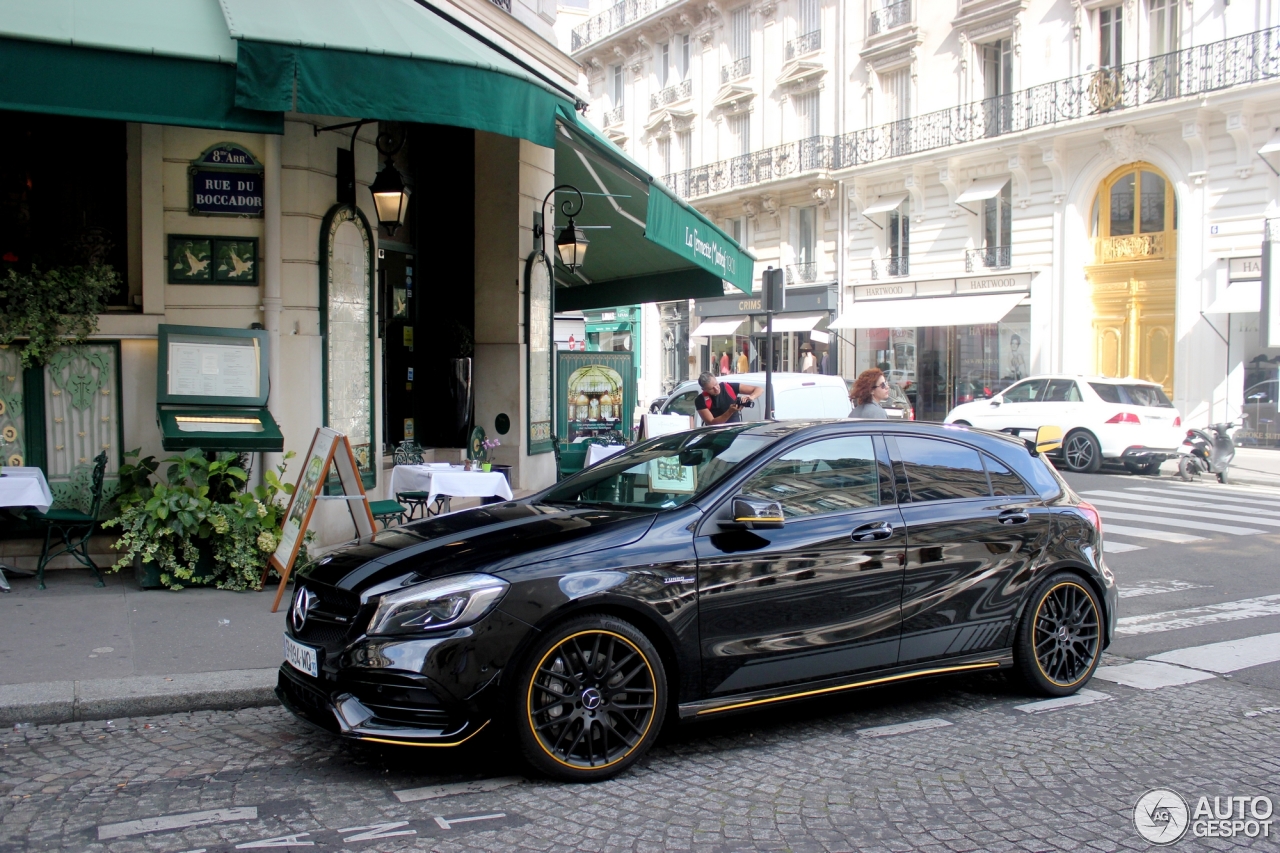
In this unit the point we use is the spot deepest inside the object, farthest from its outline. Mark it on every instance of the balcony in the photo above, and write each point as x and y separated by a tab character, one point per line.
891	267
988	257
611	20
802	273
783	161
1193	72
614	116
671	95
504	5
890	16
807	43
735	70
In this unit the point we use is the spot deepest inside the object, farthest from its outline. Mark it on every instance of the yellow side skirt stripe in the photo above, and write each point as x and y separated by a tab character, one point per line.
417	743
839	687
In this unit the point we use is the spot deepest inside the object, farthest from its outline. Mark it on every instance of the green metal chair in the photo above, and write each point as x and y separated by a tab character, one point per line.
409	452
385	511
74	527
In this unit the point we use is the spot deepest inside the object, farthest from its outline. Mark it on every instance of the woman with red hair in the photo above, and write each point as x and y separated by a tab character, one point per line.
870	389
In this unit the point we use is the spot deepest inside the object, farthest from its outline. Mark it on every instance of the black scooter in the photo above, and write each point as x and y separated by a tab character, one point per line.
1202	453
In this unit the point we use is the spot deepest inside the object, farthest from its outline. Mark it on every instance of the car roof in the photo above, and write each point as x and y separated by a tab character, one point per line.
1109	380
783	429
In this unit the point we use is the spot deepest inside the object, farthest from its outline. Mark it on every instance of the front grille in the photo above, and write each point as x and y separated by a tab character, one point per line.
318	632
399	699
330	622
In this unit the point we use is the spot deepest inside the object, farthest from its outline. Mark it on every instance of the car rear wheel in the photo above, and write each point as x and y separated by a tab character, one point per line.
1059	641
1147	468
591	699
1081	452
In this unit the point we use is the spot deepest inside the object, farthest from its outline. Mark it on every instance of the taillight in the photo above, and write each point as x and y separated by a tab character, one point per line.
1090	512
1191	433
1177	421
1124	418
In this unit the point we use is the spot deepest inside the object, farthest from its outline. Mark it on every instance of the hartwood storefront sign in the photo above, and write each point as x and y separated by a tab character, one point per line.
1009	283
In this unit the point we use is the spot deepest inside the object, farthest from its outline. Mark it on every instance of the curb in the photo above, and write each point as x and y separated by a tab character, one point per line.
145	695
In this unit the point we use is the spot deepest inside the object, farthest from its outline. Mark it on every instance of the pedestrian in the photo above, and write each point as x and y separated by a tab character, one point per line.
721	402
870	389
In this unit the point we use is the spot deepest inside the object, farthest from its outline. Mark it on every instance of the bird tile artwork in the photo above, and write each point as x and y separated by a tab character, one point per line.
236	261
190	259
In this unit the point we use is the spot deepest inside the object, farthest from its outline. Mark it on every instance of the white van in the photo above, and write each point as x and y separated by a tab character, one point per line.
797	396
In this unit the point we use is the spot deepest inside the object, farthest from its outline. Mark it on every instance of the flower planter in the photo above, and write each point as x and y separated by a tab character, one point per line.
148	574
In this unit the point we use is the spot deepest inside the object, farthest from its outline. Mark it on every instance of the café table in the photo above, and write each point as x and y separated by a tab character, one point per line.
22	488
600	452
440	480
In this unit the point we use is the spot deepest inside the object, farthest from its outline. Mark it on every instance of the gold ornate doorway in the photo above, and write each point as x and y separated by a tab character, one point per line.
1133	275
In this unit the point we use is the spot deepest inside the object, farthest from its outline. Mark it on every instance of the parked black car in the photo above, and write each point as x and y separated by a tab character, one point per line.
701	574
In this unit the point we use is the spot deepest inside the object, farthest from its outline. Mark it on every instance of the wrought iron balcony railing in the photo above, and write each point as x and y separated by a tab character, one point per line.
735	70
611	20
791	158
1195	71
671	94
807	43
890	16
891	267
802	273
504	5
615	115
988	257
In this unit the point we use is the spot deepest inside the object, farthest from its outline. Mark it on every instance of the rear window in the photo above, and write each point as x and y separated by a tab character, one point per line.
1109	393
1146	395
1004	483
1045	478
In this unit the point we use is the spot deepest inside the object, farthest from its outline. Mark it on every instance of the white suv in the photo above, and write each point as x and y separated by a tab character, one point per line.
1117	420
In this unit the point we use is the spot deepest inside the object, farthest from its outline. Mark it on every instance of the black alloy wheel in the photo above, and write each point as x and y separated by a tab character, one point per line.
1082	452
592	698
1059	641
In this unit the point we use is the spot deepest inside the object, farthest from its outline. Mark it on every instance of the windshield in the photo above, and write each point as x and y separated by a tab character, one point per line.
663	473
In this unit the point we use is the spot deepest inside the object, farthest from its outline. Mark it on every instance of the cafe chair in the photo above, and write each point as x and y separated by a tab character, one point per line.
386	512
72	526
409	452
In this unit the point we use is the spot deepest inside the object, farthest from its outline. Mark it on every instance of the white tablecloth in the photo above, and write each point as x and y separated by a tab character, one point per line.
453	482
24	487
599	452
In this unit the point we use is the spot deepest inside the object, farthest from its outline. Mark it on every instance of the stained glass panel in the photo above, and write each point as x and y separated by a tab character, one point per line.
348	334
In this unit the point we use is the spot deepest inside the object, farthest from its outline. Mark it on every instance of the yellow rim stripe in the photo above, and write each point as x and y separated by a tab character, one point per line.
1096	651
886	679
416	743
533	682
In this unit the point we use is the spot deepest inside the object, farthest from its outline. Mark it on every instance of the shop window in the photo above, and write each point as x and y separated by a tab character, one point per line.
63	194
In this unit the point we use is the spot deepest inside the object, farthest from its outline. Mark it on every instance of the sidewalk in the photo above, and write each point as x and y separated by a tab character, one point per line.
1258	466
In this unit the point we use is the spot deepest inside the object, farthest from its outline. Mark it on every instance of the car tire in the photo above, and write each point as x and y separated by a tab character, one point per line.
1059	640
1222	477
596	676
1143	468
1081	452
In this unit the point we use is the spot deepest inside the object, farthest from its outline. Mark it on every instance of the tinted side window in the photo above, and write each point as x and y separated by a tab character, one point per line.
682	404
1109	393
941	471
1062	391
1147	395
824	476
1025	392
1003	481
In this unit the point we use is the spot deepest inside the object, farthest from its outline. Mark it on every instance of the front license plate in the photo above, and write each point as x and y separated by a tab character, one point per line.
300	657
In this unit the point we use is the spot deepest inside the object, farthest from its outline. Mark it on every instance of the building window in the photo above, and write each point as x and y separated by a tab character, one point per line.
997	82
685	138
683	56
1162	21
899	238
664	64
896	87
1110	36
740	33
737	229
807	234
997	219
740	134
664	154
617	92
808	20
807	115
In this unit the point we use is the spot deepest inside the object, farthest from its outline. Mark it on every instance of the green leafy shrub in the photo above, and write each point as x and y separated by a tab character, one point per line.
52	308
200	506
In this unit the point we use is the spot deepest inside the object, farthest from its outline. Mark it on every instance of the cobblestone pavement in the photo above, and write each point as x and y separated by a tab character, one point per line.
973	773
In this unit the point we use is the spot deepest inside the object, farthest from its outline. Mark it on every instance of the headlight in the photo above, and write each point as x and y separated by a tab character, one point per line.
445	603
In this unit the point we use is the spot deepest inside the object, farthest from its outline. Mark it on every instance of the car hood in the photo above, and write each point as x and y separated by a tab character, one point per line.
491	539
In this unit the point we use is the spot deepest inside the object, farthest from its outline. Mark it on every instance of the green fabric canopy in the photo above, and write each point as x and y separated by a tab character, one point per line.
655	248
382	59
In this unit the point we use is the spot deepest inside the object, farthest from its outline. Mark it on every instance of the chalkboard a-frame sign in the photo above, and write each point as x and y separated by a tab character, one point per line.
225	180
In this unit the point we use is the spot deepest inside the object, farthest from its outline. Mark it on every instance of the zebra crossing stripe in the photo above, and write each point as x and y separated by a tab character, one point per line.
1129	496
1254	492
1110	546
1192	617
1199	525
1195	513
1155	587
1228	656
1143	533
1229	499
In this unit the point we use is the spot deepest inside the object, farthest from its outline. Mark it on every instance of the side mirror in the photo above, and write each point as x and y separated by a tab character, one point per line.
997	399
1048	439
755	514
655	408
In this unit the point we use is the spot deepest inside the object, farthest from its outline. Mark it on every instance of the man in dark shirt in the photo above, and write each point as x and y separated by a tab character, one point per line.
721	402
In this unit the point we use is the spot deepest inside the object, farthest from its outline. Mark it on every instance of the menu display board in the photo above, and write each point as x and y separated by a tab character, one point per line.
200	368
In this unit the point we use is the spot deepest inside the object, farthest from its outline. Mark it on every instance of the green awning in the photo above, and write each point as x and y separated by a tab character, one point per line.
656	247
154	61
382	59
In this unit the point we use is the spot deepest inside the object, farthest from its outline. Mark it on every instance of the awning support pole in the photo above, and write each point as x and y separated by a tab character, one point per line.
962	207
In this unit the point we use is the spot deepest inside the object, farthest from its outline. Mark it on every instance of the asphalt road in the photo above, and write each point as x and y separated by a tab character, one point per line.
966	764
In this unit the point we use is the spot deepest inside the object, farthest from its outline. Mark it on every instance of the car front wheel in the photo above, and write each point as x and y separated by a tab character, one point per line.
591	699
1059	641
1082	452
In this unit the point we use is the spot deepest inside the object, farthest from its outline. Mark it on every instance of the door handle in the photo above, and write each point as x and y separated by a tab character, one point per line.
1014	516
873	532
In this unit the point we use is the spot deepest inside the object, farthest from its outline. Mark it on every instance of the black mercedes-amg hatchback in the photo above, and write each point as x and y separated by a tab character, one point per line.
701	574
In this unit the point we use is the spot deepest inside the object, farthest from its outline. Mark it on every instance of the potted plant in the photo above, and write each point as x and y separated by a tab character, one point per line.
485	446
198	524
